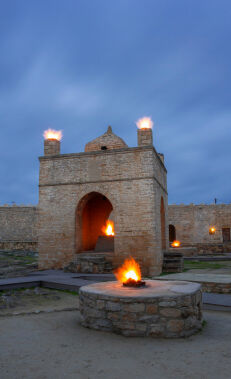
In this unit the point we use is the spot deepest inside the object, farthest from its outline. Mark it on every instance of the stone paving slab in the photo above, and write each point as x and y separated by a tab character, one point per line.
212	258
194	277
61	280
217	299
54	279
212	283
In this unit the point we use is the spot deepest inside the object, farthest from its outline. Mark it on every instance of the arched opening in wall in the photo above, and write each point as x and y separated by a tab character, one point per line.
162	221
92	214
172	233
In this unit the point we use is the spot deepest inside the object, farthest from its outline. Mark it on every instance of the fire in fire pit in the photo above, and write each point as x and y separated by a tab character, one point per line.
129	274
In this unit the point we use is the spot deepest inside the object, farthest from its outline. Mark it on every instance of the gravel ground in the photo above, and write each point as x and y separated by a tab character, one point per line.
17	263
55	345
15	302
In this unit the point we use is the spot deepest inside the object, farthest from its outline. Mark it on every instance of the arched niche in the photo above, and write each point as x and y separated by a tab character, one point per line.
92	213
172	233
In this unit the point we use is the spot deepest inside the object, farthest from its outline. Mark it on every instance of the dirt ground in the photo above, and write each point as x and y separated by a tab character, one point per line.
55	345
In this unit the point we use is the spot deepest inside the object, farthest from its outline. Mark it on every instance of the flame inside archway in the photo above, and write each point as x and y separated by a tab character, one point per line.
175	244
108	229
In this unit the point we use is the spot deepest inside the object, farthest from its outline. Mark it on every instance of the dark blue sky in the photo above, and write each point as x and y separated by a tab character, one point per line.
82	65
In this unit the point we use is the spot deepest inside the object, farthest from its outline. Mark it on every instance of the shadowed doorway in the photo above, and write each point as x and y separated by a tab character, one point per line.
172	233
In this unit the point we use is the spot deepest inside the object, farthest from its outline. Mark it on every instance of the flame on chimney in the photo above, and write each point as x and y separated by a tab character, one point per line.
53	134
145	123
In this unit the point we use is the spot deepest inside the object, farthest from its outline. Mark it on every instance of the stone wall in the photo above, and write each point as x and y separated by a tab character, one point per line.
18	228
192	223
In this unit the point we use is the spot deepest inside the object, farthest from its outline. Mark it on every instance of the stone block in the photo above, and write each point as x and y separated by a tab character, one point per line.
114	316
175	326
100	304
125	325
113	306
134	307
170	312
156	330
167	303
90	312
151	309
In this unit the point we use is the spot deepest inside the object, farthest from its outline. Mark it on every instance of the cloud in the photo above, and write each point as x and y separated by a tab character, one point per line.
81	66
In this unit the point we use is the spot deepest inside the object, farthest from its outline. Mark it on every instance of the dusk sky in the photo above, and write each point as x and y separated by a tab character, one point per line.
80	66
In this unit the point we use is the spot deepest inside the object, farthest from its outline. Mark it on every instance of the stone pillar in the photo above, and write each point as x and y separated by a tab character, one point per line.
51	147
144	137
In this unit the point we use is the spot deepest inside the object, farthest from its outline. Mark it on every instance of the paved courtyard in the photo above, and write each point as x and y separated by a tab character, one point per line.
55	345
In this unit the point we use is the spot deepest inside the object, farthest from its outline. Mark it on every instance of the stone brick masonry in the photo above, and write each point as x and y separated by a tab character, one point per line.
18	229
166	309
132	179
192	223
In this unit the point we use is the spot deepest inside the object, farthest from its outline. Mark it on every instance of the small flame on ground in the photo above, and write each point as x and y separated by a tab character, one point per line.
144	123
129	270
109	228
53	134
175	244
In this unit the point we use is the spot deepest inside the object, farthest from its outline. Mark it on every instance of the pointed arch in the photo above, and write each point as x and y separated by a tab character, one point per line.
92	212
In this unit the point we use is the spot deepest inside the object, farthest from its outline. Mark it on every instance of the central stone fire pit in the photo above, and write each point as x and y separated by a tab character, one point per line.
159	309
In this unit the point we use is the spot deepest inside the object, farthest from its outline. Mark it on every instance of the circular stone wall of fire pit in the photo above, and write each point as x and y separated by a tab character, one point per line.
160	309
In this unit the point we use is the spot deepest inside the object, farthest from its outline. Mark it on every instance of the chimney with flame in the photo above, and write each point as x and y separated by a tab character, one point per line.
145	125
52	141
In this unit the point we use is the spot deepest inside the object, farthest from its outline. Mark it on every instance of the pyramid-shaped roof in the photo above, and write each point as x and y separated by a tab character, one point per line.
107	141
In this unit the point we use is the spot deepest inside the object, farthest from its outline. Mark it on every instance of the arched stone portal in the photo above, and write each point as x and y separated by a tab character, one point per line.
92	213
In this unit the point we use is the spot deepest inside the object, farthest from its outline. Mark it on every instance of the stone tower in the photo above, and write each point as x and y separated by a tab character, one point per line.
78	191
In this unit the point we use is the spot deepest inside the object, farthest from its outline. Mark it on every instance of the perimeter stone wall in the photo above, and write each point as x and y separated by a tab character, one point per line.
18	228
18	225
192	223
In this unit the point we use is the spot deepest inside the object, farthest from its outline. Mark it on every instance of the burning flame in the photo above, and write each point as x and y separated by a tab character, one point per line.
145	123
109	228
175	244
129	270
53	134
212	230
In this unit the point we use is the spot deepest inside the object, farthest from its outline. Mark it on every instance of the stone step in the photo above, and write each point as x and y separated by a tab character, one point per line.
177	260
91	262
173	261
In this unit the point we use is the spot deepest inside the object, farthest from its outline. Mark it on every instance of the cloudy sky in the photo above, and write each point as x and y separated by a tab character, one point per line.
80	65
